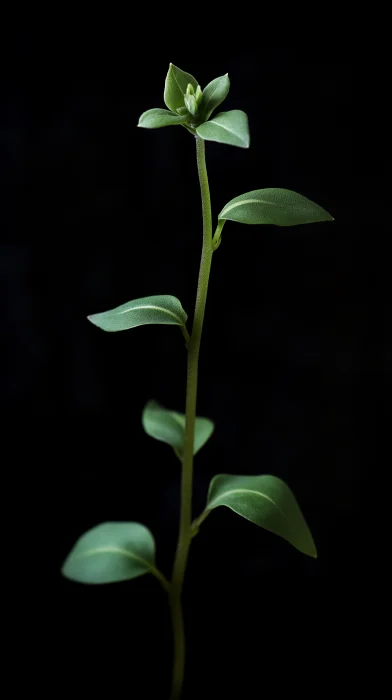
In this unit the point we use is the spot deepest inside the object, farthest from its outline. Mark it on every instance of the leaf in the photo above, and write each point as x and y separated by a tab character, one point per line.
227	127
169	426
157	118
273	206
176	84
111	552
266	501
213	94
139	312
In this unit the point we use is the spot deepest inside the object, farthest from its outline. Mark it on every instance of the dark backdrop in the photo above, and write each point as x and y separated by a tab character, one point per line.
96	212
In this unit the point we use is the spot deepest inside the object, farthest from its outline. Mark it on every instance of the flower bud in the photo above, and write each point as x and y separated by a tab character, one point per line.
190	104
198	94
190	90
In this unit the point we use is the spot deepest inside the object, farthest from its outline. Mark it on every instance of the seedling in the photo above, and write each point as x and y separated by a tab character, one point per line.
121	551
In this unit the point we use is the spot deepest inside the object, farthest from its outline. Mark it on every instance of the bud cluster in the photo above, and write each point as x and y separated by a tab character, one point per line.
192	101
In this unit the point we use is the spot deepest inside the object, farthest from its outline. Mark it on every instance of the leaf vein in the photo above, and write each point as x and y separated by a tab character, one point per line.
246	201
257	493
226	129
114	550
158	308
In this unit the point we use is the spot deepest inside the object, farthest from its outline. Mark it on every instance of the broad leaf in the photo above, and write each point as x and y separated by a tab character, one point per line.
139	312
111	552
169	426
157	118
213	94
227	127
273	206
176	84
266	501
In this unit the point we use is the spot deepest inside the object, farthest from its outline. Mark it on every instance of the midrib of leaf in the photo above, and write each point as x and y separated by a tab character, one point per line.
257	493
157	308
179	86
114	550
247	201
226	129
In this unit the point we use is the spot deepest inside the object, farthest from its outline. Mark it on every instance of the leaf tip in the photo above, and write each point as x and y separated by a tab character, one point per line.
91	318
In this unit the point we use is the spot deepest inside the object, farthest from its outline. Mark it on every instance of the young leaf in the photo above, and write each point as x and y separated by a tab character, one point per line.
213	94
169	426
176	84
191	104
266	501
156	118
227	127
273	206
139	312
111	552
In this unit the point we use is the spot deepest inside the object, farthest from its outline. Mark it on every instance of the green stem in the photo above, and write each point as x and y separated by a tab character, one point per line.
185	533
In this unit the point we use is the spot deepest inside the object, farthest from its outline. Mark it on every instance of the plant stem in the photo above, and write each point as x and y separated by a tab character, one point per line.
185	533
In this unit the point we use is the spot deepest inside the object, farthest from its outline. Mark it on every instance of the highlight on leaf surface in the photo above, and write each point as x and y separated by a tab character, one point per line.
161	309
157	118
230	128
213	95
111	552
169	426
176	85
266	501
273	206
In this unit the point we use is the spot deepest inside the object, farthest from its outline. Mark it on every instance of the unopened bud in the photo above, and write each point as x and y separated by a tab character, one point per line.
198	94
190	104
190	90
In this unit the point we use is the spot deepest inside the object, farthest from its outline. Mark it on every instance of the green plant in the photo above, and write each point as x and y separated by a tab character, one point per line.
119	551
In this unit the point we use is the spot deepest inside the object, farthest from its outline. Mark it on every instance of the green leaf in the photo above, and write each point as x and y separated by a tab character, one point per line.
213	94
169	426
227	127
157	118
266	501
111	552
176	84
273	206
139	312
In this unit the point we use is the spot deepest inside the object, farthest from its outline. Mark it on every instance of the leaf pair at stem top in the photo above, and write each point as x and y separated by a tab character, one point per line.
191	107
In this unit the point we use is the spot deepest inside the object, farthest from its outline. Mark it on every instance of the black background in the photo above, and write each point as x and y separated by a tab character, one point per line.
97	212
